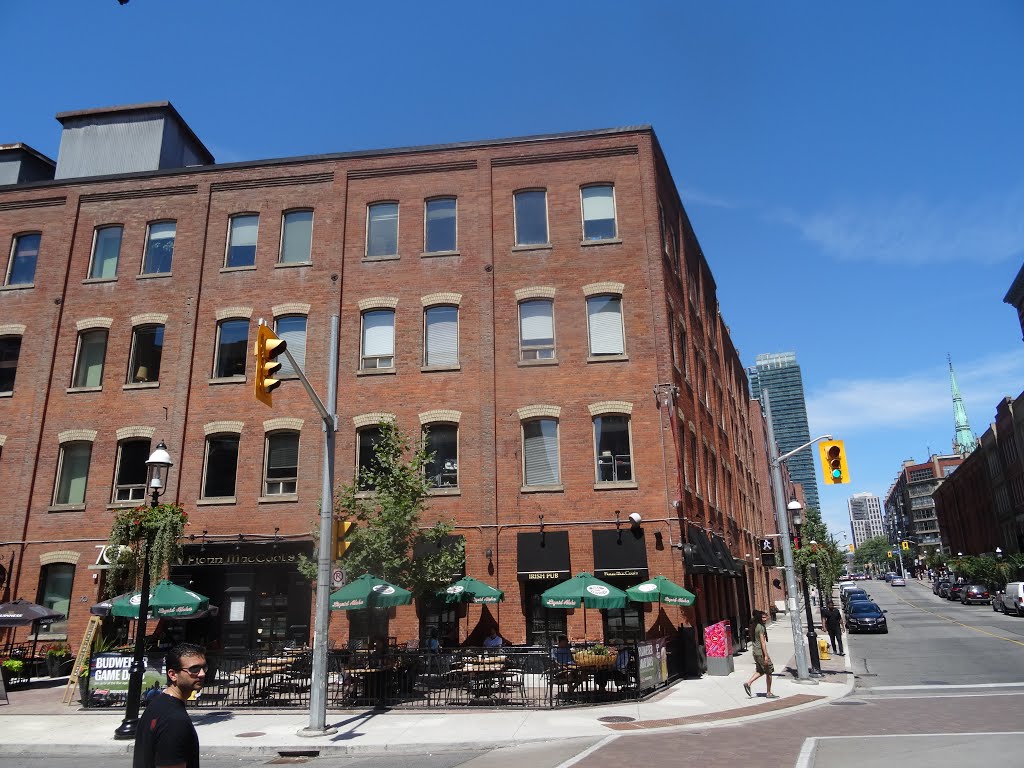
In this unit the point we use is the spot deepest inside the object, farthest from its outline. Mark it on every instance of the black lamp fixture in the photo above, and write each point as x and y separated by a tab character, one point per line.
159	466
796	510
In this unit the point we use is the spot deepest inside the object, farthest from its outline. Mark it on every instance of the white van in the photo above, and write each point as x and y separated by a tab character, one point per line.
1012	598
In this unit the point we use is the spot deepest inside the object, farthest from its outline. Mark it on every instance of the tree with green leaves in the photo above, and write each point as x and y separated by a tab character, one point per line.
874	551
387	501
824	555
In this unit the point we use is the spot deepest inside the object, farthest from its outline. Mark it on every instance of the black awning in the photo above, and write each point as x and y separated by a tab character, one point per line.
620	554
423	547
700	555
725	557
543	556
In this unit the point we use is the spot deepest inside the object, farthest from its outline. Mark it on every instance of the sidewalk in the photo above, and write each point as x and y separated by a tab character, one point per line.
36	723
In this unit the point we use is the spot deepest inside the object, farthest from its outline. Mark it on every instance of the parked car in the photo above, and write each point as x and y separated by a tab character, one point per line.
974	593
1012	598
897	581
851	592
953	593
944	588
937	586
866	616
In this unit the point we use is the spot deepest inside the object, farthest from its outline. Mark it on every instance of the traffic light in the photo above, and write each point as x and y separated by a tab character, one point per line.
267	347
833	462
889	554
853	548
342	528
904	545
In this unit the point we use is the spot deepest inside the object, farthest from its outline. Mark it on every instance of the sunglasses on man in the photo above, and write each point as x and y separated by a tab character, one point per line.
195	669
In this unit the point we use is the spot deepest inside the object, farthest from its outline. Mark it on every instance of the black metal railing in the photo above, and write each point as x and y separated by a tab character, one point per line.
511	676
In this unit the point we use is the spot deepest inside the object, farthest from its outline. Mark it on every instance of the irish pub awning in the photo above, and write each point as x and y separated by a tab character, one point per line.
543	556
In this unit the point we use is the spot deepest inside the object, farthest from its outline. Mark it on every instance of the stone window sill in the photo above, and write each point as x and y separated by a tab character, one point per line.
615	486
245	268
73	390
215	501
290	264
17	287
608	359
559	488
9	393
226	380
391	257
142	385
66	508
126	504
377	371
533	363
435	368
152	275
609	241
456	491
93	280
279	498
436	254
537	247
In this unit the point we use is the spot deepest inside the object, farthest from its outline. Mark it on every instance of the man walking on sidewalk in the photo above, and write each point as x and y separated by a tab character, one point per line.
165	735
762	661
831	622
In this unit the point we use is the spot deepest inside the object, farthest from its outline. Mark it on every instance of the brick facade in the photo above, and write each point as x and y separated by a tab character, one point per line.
674	337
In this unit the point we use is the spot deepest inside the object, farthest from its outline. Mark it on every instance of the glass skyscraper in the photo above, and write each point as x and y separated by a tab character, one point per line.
779	374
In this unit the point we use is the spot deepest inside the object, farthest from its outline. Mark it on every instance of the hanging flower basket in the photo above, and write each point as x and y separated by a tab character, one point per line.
162	526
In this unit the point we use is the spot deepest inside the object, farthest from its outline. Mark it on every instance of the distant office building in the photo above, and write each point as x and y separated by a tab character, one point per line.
865	517
909	507
779	374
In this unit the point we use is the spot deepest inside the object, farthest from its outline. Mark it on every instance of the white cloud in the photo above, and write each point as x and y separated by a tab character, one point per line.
917	399
693	196
912	231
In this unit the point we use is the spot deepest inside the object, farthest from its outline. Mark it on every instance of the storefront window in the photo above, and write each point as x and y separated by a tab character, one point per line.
543	625
625	624
55	583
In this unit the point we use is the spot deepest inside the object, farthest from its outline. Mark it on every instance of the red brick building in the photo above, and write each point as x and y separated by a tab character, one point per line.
541	304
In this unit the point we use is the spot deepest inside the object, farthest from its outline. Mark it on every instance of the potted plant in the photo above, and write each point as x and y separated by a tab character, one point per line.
58	660
597	655
11	669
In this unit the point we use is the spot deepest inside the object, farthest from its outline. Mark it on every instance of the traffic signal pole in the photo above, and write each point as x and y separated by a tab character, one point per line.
318	688
782	513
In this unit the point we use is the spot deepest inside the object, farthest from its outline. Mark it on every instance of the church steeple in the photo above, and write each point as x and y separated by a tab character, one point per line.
963	441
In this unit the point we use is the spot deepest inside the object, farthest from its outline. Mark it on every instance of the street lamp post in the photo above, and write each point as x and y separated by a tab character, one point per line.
159	464
797	508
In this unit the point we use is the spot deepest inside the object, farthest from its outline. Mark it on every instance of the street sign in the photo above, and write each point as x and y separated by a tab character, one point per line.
337	578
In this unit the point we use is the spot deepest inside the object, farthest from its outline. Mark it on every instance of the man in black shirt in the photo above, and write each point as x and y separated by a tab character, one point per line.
831	622
166	737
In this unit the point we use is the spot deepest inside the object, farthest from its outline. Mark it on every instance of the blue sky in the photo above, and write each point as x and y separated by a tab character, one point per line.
854	171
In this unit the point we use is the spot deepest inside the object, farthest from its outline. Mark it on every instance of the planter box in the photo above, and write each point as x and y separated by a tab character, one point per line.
720	666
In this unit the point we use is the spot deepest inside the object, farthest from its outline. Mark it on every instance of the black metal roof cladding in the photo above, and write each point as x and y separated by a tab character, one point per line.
20	146
298	160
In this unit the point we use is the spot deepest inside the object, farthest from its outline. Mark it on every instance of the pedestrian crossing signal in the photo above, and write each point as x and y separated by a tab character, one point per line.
889	554
904	545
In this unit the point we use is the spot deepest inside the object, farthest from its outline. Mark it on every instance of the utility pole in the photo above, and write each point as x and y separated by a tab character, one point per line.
782	513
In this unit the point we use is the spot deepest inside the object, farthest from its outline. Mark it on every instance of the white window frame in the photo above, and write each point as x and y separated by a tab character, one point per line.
284	226
92	256
14	249
398	229
145	245
427	362
285	486
598	456
297	351
231	236
365	359
135	492
590	331
535	351
426	205
547	218
558	449
615	212
78	357
61	465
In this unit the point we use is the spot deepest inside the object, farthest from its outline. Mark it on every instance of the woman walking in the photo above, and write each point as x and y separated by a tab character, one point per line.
762	661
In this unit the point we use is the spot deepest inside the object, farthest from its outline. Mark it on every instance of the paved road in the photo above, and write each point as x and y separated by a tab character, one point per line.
941	663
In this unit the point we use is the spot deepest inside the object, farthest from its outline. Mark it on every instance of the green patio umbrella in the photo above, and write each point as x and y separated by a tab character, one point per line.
167	600
661	590
583	590
369	592
470	590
